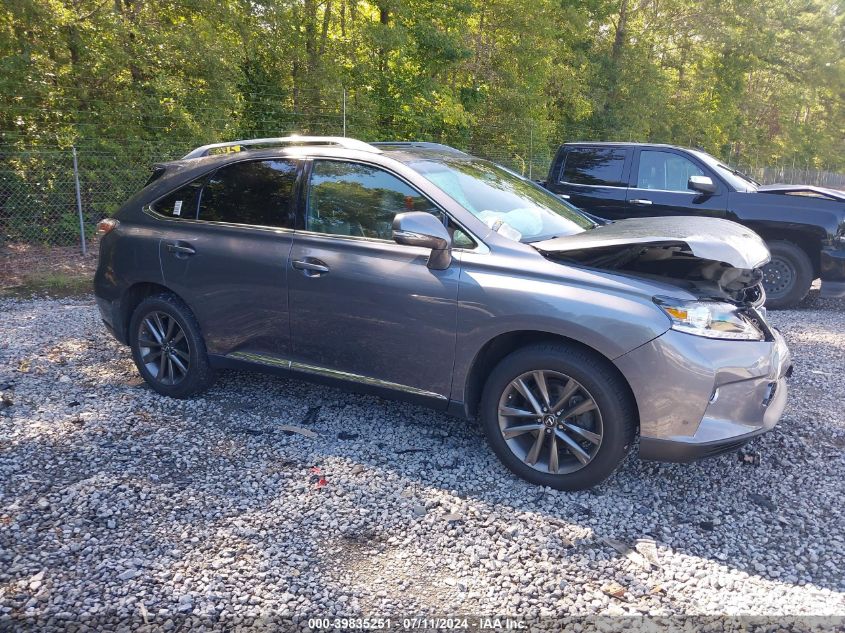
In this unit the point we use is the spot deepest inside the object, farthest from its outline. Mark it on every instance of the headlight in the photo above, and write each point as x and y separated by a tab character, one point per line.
712	319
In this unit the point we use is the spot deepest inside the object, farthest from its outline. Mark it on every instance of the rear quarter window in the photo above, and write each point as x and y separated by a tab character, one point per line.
594	166
181	204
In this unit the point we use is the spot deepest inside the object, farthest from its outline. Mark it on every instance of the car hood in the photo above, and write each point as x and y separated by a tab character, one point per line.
834	194
705	238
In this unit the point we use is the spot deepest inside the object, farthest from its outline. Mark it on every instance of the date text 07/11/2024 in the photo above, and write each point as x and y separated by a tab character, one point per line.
415	623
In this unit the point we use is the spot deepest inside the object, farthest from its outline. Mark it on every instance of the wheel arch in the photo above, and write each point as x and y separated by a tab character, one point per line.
130	300
495	349
807	240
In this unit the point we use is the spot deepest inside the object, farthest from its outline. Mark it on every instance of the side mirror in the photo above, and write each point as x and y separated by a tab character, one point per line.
702	184
417	228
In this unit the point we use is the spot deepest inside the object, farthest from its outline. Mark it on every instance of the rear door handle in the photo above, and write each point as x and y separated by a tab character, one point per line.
564	196
642	201
310	267
180	248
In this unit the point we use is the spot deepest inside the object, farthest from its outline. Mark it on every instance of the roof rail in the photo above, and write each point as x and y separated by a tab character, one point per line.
339	141
419	145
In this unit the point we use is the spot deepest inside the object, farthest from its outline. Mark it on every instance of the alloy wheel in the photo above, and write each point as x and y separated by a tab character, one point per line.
550	422
164	348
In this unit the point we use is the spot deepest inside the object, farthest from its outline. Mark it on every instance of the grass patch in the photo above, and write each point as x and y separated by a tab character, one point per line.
53	284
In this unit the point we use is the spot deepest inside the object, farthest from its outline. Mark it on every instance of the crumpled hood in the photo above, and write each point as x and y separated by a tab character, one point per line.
708	238
835	194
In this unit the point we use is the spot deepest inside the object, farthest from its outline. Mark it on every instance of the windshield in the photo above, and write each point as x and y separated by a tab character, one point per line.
738	180
509	204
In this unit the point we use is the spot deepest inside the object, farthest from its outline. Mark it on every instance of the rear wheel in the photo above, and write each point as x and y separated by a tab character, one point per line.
168	348
558	415
788	276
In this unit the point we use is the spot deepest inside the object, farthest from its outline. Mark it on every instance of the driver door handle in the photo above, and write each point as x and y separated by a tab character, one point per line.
312	268
642	201
180	248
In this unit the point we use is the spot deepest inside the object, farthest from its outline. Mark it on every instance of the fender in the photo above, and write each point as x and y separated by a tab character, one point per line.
609	313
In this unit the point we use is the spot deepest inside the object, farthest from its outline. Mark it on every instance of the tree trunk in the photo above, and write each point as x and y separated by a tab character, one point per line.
614	69
128	11
385	117
325	33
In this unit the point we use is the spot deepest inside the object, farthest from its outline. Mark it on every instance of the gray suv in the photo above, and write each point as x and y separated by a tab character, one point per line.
418	272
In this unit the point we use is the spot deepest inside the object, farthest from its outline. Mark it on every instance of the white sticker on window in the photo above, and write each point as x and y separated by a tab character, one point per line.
177	208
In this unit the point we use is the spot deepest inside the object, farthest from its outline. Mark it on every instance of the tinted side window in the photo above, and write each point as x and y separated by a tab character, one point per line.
665	170
353	199
257	193
594	166
182	203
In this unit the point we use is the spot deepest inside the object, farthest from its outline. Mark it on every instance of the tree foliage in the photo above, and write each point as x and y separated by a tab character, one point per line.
737	77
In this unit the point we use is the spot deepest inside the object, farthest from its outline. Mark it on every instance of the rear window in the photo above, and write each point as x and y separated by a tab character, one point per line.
594	166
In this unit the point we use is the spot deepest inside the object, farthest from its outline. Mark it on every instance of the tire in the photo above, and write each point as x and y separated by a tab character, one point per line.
788	276
157	315
614	417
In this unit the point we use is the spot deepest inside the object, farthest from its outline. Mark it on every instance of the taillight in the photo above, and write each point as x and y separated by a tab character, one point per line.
106	226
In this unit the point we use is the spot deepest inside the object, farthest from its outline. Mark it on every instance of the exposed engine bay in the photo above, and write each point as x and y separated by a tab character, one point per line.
712	257
674	263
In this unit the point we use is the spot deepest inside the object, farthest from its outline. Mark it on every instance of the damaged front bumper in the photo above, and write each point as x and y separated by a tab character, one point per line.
699	397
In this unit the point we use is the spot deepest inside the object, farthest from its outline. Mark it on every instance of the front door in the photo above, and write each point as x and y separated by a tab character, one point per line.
225	251
364	308
659	187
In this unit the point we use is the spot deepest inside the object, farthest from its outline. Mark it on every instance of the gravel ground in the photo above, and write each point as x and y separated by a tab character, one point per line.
123	509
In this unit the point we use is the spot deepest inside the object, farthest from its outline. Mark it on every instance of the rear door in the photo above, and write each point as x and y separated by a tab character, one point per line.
225	252
595	179
659	186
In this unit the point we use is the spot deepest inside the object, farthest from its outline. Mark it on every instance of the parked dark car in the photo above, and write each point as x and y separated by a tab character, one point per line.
803	226
418	272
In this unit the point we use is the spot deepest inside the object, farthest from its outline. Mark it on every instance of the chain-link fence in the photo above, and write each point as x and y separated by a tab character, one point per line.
44	199
54	198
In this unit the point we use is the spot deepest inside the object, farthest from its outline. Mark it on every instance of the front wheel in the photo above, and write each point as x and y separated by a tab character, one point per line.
168	348
788	276
558	415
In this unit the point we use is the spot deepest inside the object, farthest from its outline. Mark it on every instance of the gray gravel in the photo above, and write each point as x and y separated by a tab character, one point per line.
121	508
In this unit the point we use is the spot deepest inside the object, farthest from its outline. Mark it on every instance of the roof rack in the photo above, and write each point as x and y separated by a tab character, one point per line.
339	141
418	145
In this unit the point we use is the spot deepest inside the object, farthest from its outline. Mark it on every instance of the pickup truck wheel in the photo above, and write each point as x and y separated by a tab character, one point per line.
168	348
558	415
788	276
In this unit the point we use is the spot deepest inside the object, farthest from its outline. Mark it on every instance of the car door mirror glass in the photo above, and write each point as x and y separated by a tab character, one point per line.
417	228
702	184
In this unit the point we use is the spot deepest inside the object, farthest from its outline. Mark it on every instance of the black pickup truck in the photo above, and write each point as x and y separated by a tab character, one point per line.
803	226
